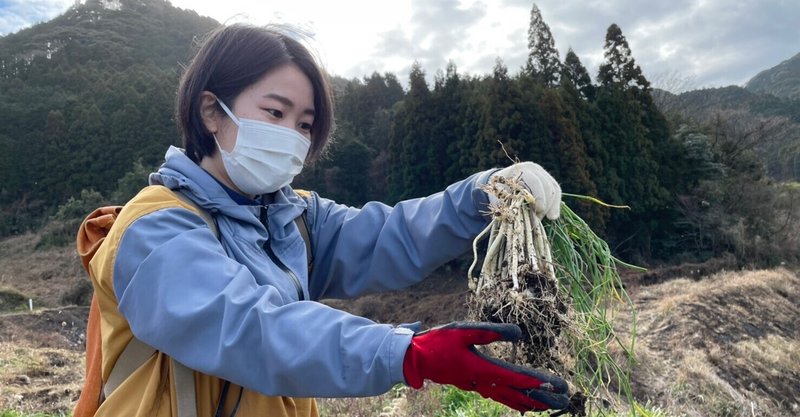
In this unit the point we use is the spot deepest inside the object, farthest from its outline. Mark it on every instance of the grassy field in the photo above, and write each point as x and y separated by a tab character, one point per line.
717	343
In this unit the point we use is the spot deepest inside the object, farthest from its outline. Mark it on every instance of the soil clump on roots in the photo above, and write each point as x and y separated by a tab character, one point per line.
539	310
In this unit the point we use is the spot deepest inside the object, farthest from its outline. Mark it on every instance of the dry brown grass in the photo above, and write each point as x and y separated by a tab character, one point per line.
772	351
51	278
724	345
728	345
39	380
401	401
41	359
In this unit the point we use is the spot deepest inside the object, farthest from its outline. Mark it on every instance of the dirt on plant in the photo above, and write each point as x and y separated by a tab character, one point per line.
539	310
718	344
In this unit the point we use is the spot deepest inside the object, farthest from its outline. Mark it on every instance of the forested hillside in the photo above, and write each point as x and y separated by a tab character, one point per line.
783	80
87	98
772	123
84	96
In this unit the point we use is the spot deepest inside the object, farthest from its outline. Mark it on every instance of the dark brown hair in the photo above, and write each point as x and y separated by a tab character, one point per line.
230	59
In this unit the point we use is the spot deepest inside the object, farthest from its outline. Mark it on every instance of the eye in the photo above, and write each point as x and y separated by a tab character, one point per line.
275	113
305	127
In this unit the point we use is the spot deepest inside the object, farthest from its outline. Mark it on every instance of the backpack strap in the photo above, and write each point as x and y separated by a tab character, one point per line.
132	357
302	225
184	389
137	353
211	221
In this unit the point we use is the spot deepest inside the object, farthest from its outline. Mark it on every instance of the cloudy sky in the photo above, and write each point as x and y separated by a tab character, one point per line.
679	44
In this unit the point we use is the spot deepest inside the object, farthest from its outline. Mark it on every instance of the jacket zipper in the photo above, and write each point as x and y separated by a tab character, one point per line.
274	258
286	270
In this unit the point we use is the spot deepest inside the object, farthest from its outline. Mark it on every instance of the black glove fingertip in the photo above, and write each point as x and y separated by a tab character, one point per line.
508	332
552	400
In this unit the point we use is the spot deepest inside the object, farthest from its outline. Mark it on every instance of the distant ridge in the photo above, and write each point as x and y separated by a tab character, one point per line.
782	80
107	33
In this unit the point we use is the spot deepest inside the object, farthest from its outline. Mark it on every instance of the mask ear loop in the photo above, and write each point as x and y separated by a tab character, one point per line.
230	114
216	141
228	111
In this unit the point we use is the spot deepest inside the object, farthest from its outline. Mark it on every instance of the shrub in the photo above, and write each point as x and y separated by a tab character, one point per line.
62	227
12	300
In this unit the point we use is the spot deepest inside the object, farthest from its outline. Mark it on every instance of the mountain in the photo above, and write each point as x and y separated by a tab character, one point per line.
109	33
782	80
702	102
772	92
772	122
84	97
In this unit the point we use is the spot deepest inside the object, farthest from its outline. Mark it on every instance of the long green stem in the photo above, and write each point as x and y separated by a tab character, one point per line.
594	200
587	272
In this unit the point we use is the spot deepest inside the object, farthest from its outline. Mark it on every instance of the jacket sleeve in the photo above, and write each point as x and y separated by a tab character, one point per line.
379	248
182	294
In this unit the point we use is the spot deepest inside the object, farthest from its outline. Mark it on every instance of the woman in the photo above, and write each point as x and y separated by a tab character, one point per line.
231	298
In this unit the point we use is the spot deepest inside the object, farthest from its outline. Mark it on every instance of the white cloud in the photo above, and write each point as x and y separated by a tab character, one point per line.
714	42
16	15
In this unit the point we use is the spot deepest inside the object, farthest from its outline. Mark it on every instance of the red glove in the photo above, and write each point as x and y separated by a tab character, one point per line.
446	355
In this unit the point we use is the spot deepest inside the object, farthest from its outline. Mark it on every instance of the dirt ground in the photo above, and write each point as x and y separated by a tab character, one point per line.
41	359
709	343
51	278
724	345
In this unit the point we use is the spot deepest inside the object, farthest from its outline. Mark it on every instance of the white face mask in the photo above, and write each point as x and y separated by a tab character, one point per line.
266	156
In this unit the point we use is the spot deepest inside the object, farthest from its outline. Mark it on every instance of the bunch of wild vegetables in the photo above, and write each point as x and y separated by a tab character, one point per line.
559	283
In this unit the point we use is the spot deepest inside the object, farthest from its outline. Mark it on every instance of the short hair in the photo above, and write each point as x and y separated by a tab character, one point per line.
230	59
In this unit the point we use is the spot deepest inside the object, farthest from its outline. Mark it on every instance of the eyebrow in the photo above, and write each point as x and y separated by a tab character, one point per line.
286	102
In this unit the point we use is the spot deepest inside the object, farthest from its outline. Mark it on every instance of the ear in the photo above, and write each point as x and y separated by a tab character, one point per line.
208	111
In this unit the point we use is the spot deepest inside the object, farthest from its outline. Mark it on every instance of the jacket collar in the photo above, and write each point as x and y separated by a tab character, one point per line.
180	173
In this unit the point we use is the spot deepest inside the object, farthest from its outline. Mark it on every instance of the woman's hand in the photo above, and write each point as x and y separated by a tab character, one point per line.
540	183
447	355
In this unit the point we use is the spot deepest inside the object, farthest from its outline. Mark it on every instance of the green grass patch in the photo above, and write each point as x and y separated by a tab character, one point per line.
12	413
12	300
458	403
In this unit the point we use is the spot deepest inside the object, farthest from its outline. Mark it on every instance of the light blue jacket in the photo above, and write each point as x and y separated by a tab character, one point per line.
224	308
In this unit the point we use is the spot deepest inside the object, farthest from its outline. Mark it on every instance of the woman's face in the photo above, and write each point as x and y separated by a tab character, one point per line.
283	96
